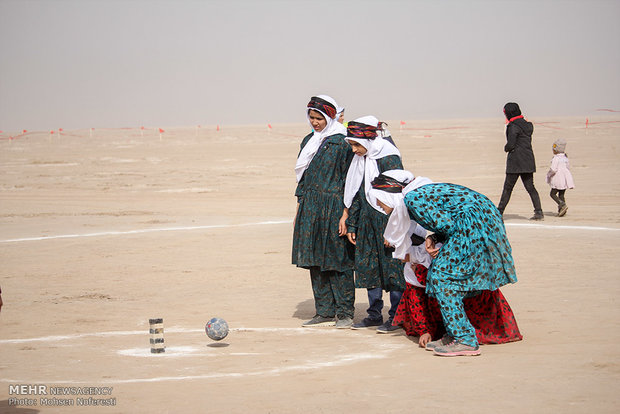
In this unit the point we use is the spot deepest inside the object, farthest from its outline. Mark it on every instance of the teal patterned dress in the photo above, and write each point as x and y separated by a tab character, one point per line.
476	254
316	242
374	265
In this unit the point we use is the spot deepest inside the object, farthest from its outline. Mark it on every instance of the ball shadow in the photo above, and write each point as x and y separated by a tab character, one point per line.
218	345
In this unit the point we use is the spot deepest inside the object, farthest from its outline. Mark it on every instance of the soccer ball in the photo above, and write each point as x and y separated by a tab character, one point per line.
216	329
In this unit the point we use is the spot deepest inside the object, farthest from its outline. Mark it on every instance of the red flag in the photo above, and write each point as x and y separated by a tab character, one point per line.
52	132
269	126
402	122
142	128
161	130
218	128
59	129
24	131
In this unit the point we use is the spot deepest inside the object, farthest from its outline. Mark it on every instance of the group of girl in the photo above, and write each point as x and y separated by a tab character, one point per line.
362	221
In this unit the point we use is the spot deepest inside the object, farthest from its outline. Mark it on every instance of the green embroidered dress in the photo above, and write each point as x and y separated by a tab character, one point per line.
374	265
320	195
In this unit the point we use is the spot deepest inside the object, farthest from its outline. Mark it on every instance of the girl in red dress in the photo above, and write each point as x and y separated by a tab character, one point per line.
419	314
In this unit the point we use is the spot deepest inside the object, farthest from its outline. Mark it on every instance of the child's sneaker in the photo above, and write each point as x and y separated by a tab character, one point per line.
344	323
319	320
445	340
455	348
387	327
367	323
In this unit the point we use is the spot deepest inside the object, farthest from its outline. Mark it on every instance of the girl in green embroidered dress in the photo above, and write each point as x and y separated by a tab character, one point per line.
319	235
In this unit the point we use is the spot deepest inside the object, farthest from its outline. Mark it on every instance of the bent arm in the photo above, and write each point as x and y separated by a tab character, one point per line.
511	139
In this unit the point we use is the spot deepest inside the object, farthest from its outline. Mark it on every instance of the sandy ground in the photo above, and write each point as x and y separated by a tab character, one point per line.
99	234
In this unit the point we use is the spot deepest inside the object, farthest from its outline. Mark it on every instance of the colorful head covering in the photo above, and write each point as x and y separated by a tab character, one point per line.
324	104
368	132
400	227
327	106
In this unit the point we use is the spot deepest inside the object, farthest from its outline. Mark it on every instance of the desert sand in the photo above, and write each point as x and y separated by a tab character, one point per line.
100	233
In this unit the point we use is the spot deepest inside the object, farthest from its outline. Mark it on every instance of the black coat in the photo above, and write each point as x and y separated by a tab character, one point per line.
519	147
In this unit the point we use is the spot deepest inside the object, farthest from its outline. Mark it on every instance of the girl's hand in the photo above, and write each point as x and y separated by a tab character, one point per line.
430	247
386	244
342	225
424	339
351	237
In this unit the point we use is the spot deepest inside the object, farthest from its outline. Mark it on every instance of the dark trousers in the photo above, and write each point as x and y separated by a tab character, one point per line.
558	196
375	300
528	183
334	293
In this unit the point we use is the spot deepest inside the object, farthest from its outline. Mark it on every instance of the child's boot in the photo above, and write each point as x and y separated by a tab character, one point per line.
562	209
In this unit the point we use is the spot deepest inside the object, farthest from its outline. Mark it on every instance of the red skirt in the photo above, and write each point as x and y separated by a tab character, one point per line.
489	313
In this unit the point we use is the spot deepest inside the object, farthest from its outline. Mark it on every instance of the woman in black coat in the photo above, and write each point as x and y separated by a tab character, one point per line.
520	161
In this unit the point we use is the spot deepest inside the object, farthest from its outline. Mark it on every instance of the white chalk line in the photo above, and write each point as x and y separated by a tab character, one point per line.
546	226
344	360
194	351
56	338
261	223
120	233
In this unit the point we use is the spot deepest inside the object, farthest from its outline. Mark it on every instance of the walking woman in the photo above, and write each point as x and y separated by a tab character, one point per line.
319	236
520	160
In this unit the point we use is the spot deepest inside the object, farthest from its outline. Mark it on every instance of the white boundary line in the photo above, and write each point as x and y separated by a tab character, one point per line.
261	223
119	233
338	361
343	360
145	331
544	226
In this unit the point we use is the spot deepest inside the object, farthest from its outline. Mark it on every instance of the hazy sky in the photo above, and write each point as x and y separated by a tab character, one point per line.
95	63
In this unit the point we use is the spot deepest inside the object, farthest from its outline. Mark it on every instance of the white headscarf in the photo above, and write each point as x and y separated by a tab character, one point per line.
339	111
400	227
365	168
333	127
417	254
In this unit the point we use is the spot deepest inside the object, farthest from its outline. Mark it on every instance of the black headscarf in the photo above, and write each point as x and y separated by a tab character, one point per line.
387	183
511	110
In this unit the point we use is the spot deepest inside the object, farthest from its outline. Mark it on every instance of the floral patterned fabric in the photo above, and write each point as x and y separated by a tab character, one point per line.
489	314
476	254
374	265
320	192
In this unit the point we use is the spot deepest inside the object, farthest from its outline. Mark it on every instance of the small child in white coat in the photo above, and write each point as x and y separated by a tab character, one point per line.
559	177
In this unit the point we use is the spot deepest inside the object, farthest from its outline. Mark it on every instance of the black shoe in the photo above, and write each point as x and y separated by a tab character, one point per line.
367	323
388	327
538	217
